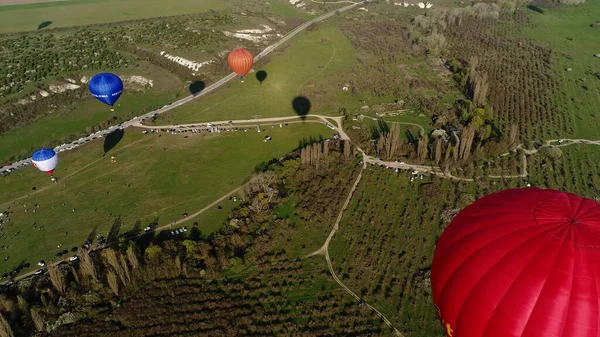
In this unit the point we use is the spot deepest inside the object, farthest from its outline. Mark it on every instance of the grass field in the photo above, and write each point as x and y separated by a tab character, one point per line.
289	72
285	10
54	128
86	12
568	33
387	236
167	176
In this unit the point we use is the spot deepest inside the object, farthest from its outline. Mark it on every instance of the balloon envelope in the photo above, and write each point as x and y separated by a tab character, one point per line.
240	61
45	160
520	263
106	88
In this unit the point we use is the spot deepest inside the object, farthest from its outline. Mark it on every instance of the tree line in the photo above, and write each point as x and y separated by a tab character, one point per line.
103	278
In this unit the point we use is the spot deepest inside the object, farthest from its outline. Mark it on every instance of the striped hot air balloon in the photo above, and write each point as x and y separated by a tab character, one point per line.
45	160
240	61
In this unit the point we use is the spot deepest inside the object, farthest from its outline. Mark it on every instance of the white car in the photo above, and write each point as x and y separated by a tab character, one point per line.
38	272
147	229
42	263
74	258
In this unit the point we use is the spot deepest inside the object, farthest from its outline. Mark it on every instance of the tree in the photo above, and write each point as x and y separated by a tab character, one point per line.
37	319
125	267
259	190
389	141
153	254
57	278
110	257
132	257
178	263
192	250
514	131
422	149
75	274
5	329
466	141
438	149
87	265
22	304
113	283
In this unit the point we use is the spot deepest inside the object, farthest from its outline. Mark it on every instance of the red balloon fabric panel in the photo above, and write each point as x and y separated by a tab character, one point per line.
520	263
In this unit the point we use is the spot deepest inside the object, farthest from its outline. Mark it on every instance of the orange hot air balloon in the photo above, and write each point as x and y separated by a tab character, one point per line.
240	61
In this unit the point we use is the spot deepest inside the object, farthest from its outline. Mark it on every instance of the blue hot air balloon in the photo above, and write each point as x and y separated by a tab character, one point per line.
106	87
45	160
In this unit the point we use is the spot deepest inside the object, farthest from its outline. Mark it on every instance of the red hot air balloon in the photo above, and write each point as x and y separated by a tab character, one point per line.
520	263
240	61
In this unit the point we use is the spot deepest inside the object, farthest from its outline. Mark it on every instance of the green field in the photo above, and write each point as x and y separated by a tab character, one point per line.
284	10
568	33
167	176
56	128
69	13
287	75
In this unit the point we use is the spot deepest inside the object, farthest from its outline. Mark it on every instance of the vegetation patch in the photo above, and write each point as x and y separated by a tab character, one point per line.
156	178
70	13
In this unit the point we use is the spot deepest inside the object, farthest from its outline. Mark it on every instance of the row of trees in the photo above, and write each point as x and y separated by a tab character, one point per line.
260	304
101	278
517	74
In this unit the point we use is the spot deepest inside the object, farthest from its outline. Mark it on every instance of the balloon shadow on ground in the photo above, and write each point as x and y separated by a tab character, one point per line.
196	87
261	76
535	9
44	24
112	139
301	105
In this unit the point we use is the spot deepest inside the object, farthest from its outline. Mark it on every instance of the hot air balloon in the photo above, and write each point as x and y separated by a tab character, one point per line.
106	87
240	61
45	160
520	263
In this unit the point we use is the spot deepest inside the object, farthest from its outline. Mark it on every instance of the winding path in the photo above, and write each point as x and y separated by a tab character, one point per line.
324	250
